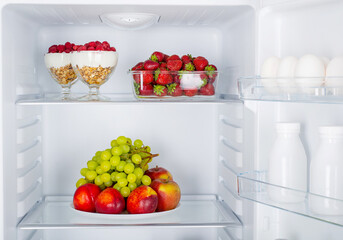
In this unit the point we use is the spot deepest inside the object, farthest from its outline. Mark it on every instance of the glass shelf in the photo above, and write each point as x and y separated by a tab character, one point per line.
50	99
194	211
253	186
292	89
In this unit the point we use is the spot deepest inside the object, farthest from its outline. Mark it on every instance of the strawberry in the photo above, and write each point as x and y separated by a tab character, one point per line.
163	66
157	57
173	57
138	66
160	90
200	63
188	67
143	77
165	57
207	90
53	49
150	65
211	72
146	90
186	58
61	48
174	65
174	89
190	92
163	77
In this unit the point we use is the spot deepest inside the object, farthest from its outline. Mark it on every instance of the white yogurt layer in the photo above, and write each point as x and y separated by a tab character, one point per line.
57	60
94	59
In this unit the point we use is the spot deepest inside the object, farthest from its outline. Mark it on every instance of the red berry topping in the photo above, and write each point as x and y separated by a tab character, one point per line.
90	48
112	49
81	48
99	48
60	48
53	49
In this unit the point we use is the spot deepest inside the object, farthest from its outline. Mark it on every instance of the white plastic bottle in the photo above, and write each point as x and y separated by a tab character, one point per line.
326	172
288	165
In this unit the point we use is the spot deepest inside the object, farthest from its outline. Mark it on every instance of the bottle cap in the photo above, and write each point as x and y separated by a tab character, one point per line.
288	127
331	130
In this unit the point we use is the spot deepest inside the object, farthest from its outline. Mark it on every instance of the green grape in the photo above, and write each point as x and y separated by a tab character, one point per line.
99	170
108	184
120	175
147	149
138	172
113	176
121	140
102	187
121	166
132	186
116	186
98	153
117	151
115	160
112	168
146	180
98	180
91	175
138	182
84	171
105	166
136	158
94	158
98	159
122	182
129	141
138	143
80	182
105	177
131	178
128	161
125	191
114	143
92	165
109	150
129	168
146	167
125	148
105	155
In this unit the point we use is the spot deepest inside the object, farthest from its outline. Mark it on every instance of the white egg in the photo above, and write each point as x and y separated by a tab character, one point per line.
269	71
285	74
334	73
309	73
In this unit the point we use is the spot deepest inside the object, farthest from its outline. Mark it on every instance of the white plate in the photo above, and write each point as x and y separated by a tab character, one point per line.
125	214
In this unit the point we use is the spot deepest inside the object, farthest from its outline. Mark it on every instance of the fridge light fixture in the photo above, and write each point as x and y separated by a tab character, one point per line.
129	21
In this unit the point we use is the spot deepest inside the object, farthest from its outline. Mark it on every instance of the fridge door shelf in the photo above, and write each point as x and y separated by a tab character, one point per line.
55	212
253	186
309	89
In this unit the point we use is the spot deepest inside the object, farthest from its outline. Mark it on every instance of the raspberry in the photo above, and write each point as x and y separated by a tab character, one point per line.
52	49
67	50
99	48
92	44
68	45
113	49
90	48
81	48
60	48
106	45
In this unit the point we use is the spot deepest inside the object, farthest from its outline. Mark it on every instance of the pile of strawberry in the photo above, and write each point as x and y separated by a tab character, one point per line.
162	75
91	46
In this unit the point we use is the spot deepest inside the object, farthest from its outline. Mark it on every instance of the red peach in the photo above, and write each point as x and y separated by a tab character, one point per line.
168	193
110	201
142	200
84	197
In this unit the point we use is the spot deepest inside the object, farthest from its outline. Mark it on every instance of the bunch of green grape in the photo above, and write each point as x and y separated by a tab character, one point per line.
122	166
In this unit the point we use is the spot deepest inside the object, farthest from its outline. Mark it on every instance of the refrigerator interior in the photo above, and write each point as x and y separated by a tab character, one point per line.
204	144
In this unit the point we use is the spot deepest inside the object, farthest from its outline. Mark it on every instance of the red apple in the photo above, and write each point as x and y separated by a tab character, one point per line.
158	173
142	200
84	197
168	193
110	201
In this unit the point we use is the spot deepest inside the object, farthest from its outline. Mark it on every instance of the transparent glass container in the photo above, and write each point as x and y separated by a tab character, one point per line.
94	68
163	84
60	68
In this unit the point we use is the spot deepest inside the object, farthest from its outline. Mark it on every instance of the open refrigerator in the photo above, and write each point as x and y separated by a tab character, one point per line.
217	149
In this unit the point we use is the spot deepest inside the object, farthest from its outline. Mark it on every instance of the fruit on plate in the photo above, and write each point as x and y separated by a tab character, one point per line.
142	200
158	173
110	201
168	193
121	166
85	196
173	76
